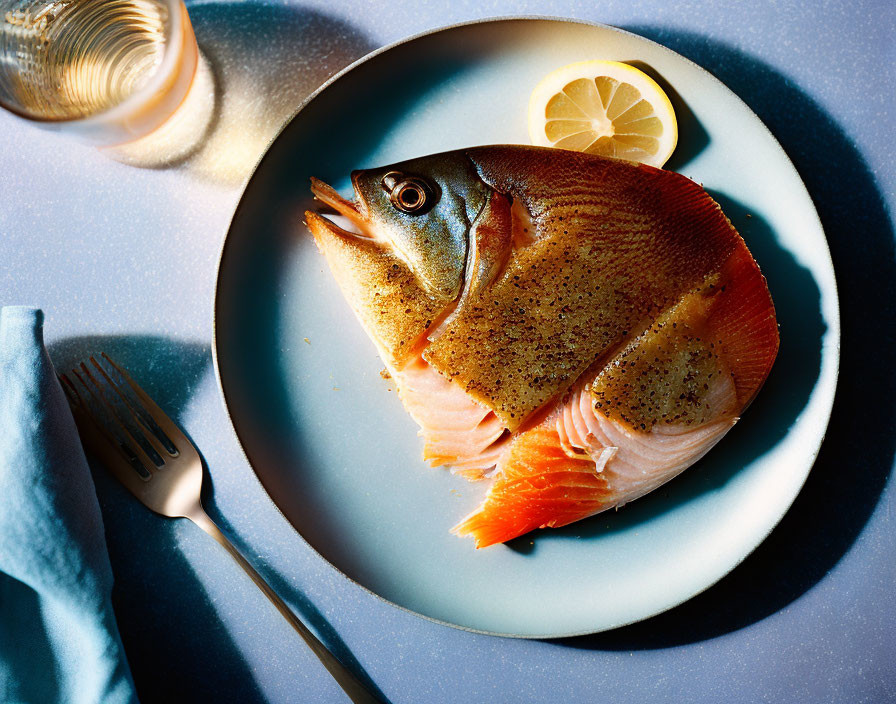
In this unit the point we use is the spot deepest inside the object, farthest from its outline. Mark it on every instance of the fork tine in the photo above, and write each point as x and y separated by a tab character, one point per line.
158	415
133	444
148	432
112	437
99	439
81	406
72	394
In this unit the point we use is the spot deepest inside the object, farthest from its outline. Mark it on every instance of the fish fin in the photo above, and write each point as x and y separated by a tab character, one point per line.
491	240
743	318
491	236
538	485
615	246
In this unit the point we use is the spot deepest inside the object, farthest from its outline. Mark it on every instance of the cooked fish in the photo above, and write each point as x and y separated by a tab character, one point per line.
577	329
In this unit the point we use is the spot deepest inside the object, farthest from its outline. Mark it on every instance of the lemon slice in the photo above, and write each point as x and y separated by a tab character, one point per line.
603	107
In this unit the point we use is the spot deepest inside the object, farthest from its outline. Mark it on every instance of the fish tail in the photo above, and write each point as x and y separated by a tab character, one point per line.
538	485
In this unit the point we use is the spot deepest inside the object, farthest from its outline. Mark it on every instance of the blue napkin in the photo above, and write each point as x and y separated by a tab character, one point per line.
58	638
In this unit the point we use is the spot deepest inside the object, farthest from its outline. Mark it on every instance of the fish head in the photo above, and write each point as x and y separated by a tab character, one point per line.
422	209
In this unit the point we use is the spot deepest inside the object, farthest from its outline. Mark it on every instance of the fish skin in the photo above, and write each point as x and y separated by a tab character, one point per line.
631	281
384	293
616	244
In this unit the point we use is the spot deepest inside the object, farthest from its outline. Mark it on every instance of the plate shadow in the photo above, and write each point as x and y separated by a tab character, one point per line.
830	512
785	393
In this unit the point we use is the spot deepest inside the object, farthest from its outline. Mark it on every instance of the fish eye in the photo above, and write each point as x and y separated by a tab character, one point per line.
409	197
409	194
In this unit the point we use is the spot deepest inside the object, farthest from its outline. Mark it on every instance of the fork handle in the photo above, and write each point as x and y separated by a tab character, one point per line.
356	691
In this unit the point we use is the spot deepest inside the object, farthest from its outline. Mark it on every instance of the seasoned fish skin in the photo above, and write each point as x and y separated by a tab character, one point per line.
577	329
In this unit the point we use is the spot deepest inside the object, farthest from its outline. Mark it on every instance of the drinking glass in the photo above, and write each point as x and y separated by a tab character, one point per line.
108	71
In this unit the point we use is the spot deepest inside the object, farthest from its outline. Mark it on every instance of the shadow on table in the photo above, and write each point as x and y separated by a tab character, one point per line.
168	370
258	62
857	455
265	59
309	613
160	604
174	639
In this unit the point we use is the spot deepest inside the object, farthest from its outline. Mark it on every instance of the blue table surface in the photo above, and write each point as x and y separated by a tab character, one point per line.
124	259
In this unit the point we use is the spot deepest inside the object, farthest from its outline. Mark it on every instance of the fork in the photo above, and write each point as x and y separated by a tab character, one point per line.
158	464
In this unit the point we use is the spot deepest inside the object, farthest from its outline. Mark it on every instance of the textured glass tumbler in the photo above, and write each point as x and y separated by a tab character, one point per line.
106	71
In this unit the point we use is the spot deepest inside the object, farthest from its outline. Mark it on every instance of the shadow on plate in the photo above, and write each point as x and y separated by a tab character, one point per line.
263	233
692	137
857	455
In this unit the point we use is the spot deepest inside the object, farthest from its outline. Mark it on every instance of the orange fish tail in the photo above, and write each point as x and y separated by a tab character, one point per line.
540	485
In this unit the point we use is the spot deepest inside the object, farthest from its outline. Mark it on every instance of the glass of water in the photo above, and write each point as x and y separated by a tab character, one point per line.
108	71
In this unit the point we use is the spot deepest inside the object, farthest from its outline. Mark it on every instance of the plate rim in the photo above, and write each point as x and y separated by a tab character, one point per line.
834	322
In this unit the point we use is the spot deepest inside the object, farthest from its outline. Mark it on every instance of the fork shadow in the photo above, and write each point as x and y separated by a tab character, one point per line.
297	600
830	512
167	622
160	604
169	372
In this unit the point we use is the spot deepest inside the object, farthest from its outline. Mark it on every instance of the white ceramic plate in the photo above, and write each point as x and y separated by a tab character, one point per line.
330	441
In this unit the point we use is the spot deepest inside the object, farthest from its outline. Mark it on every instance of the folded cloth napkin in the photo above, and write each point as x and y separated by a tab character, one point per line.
58	638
